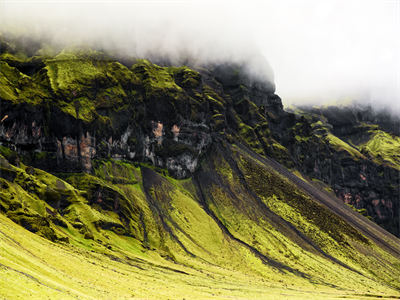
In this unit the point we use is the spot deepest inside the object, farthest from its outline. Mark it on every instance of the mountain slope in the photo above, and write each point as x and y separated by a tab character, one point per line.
222	223
134	180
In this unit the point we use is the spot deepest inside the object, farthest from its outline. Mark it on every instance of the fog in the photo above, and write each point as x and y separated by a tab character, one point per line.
320	51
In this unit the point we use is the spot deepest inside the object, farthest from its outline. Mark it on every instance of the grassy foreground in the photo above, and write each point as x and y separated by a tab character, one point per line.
33	267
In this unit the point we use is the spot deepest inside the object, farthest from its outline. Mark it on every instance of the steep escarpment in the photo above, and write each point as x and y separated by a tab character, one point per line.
356	153
177	181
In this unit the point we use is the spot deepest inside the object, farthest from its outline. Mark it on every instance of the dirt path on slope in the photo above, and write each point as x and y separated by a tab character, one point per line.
370	229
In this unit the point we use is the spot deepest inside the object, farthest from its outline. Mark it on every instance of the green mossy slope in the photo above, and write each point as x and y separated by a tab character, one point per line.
383	147
89	208
223	233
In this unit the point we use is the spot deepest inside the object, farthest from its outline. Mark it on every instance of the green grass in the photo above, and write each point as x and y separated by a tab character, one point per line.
88	81
44	270
383	147
340	145
188	77
67	69
156	80
18	87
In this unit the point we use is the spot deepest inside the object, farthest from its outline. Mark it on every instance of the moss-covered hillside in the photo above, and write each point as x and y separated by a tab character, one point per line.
237	228
121	178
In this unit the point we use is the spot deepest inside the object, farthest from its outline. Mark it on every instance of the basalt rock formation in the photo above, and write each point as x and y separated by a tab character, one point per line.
356	153
192	176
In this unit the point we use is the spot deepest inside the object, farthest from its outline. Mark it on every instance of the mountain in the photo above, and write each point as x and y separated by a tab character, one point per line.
121	178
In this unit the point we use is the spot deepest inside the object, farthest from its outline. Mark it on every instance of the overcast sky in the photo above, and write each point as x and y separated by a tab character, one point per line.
320	51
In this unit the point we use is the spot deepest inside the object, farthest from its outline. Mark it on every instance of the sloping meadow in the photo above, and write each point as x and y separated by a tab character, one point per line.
237	222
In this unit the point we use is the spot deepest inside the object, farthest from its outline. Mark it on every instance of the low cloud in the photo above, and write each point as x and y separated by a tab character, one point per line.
320	51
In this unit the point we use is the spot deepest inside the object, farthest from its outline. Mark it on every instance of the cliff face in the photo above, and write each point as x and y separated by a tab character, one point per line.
181	168
78	106
355	151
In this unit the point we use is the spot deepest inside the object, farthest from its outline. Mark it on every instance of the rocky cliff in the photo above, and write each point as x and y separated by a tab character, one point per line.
355	151
66	110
